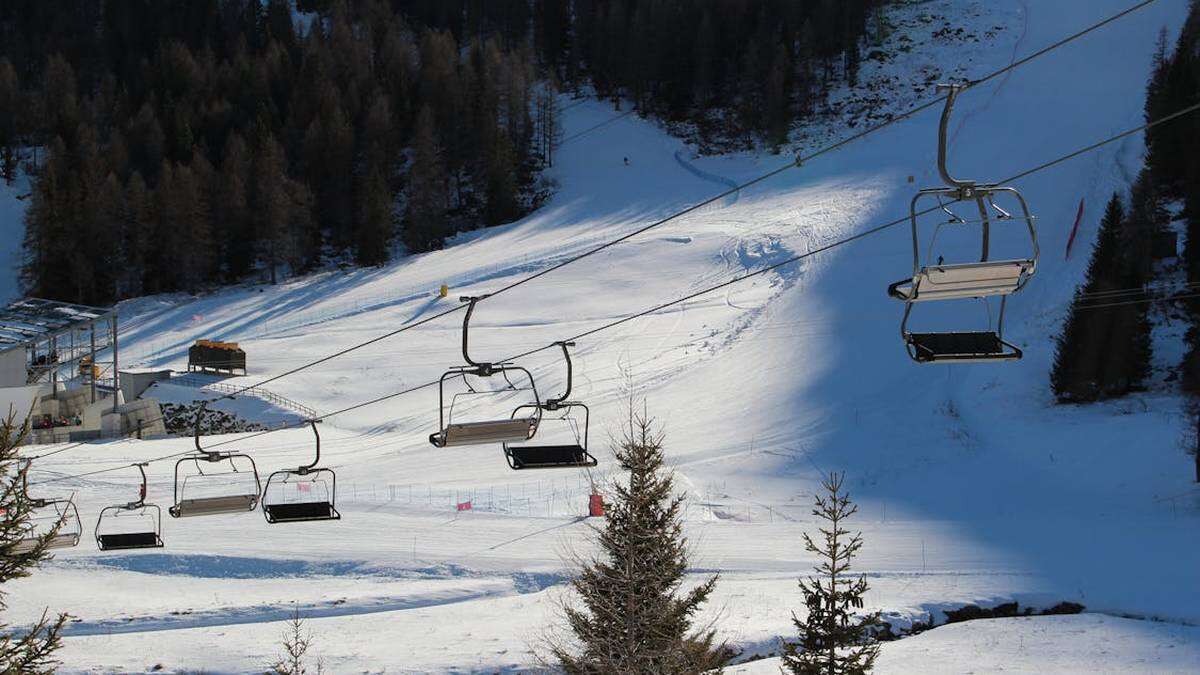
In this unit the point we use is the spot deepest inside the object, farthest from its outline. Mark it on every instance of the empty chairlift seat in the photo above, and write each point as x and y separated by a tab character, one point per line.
452	430
307	493
67	537
231	485
57	519
42	521
981	279
298	498
130	526
562	436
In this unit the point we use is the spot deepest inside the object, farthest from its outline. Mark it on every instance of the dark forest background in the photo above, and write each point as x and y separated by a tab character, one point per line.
1104	350
178	144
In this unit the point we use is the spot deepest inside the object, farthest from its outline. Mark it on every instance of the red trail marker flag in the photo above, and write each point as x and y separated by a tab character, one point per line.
1074	230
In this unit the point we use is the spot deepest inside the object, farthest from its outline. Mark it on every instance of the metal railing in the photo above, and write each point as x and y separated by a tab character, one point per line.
268	396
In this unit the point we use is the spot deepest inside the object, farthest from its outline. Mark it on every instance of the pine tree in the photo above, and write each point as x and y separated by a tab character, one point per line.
33	652
633	618
501	189
1104	348
273	208
234	233
10	112
834	638
425	225
374	221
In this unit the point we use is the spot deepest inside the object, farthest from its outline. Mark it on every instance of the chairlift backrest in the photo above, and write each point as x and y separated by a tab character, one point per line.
554	452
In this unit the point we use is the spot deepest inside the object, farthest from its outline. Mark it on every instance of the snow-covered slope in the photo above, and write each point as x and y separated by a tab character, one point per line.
973	486
13	201
1045	644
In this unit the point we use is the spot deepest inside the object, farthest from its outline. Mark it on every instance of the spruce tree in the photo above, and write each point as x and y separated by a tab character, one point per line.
374	221
425	225
1087	365
31	653
501	189
834	638
10	112
632	617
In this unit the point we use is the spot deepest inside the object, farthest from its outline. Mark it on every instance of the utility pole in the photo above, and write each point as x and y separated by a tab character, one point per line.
116	363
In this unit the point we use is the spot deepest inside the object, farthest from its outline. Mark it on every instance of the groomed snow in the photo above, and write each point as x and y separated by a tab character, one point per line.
973	486
1085	643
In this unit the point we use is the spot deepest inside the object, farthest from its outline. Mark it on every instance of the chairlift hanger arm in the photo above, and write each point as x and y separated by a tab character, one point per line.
554	403
480	368
317	458
965	187
32	501
141	500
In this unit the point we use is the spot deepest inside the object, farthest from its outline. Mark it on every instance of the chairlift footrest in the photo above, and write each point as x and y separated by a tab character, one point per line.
299	512
969	346
118	542
549	457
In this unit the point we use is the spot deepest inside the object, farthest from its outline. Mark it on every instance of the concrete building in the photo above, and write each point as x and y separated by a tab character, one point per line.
59	362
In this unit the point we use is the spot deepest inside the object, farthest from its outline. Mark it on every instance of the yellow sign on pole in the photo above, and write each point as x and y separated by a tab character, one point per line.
443	291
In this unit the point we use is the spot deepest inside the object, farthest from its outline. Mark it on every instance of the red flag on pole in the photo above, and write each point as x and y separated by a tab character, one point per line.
464	506
1074	230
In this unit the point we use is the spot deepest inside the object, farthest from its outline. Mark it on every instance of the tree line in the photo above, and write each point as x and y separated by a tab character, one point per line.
1173	158
181	143
178	144
736	70
1104	349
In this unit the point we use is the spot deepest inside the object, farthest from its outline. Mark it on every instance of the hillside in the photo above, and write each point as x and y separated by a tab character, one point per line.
974	487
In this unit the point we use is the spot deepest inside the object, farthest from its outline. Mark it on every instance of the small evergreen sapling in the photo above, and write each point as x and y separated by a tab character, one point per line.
296	641
834	638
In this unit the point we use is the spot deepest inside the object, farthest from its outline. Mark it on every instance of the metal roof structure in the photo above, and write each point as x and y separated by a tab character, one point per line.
32	320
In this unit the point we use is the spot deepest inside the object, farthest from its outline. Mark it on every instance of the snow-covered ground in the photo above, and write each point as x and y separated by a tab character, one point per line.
13	201
973	486
1086	643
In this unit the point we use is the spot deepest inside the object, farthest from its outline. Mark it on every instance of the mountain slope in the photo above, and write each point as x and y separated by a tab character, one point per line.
973	486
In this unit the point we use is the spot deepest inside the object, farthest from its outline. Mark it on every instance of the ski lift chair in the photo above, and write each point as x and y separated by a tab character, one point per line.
130	526
231	485
503	430
933	281
303	494
57	516
559	412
